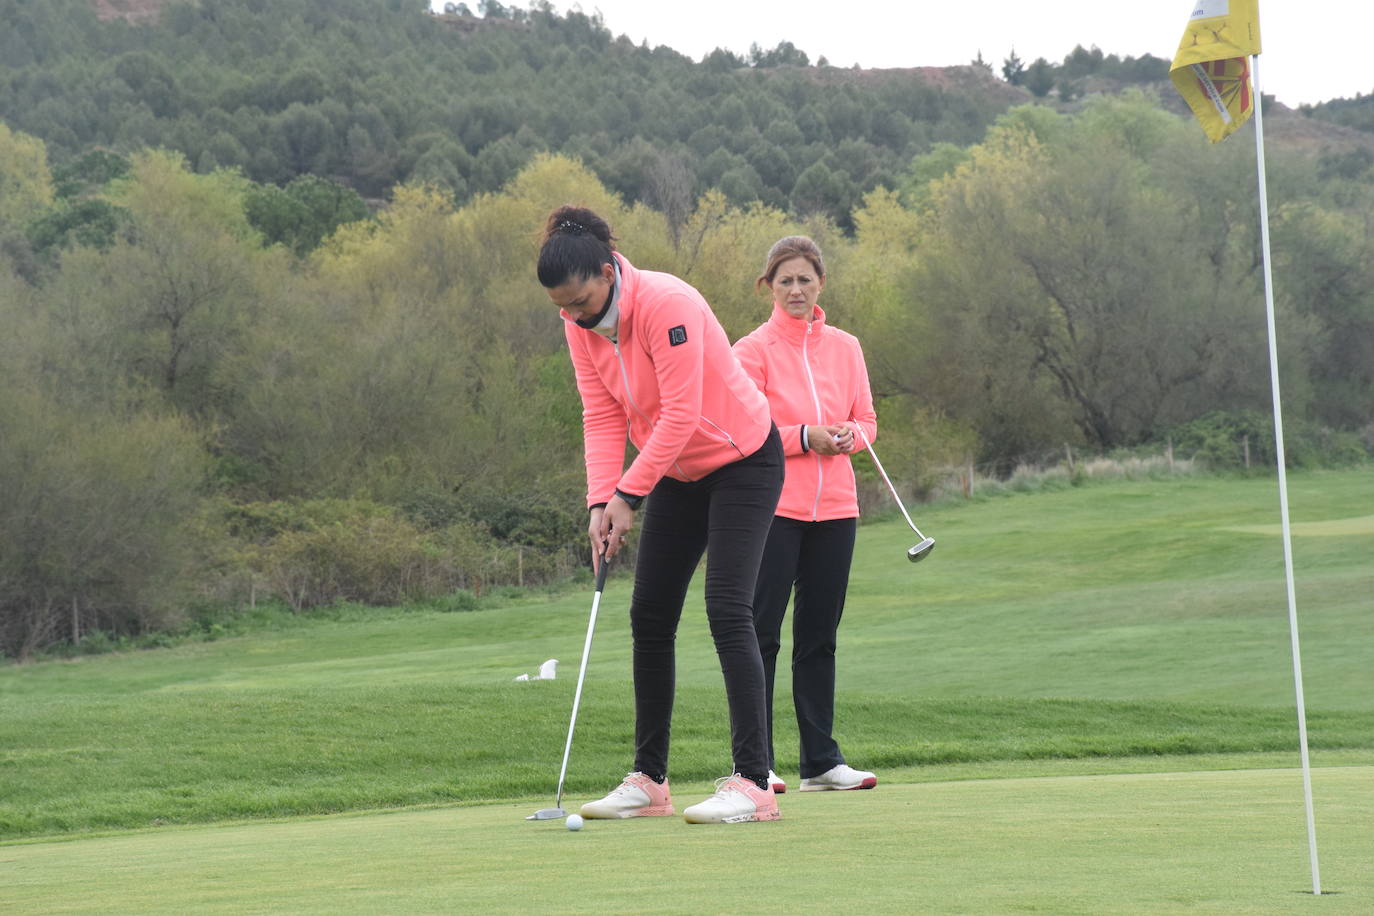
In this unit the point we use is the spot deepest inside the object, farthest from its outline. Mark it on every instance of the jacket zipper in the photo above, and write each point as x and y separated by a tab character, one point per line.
625	380
728	438
815	399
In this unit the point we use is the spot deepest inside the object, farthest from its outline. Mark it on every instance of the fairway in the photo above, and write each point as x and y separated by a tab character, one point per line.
1204	842
1364	524
1082	702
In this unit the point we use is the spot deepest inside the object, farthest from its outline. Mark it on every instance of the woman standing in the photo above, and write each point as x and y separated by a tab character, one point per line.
651	357
816	382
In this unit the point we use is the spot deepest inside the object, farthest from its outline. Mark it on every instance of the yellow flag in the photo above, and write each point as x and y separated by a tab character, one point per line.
1212	67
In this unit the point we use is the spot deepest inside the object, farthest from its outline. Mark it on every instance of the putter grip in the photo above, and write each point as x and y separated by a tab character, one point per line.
601	573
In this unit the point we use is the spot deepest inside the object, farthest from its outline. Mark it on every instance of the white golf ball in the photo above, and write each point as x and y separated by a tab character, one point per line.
574	822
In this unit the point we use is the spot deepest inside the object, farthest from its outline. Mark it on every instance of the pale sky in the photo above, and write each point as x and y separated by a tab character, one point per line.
1313	51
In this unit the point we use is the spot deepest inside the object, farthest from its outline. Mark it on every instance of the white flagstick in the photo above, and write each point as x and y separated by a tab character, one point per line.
1283	476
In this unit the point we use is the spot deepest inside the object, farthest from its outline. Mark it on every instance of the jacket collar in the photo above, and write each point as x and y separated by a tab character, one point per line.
627	284
792	329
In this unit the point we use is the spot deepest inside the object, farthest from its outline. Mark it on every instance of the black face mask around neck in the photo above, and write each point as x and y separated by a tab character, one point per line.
593	322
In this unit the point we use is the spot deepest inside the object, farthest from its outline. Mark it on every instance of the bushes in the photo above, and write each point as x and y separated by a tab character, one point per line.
318	552
374	561
106	539
1245	438
93	510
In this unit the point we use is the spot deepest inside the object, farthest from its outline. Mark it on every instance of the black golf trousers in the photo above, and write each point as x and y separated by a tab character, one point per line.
814	557
726	515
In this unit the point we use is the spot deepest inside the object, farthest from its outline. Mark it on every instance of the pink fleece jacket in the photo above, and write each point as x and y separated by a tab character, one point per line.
671	380
813	374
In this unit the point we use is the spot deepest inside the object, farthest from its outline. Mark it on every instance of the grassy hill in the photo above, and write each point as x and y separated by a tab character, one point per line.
1101	624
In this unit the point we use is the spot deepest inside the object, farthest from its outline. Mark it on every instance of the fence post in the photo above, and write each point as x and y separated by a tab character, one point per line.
1245	445
1169	452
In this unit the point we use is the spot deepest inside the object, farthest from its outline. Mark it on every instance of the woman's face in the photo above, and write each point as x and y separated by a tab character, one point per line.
796	287
581	298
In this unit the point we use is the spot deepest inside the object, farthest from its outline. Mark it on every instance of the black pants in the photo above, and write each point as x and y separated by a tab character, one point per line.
815	557
726	515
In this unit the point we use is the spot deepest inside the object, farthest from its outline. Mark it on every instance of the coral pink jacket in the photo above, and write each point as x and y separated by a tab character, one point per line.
812	374
671	381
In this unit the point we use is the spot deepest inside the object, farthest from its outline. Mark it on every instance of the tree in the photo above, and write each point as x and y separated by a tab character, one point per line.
773	164
427	319
308	137
785	54
1045	261
1040	78
741	184
151	81
183	282
821	190
1081	62
722	249
25	182
94	528
302	214
669	189
928	168
723	61
1014	69
91	222
1325	274
1069	89
88	173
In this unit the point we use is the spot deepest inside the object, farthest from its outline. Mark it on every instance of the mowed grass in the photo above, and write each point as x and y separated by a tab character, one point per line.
1198	842
1125	626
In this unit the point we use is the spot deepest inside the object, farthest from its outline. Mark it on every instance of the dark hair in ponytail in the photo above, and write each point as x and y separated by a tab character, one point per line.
576	243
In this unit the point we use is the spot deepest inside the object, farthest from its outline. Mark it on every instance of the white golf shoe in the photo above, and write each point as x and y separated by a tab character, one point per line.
736	801
843	776
636	796
775	782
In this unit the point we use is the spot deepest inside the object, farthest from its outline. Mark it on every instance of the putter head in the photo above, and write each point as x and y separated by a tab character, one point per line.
921	550
547	814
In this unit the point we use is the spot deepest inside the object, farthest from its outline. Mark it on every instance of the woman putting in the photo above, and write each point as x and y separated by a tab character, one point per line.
650	356
816	382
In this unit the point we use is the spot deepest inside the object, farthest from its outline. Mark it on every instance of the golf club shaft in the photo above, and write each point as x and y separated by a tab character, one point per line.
882	473
581	675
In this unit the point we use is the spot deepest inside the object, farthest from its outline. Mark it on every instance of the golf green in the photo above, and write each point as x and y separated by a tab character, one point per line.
1197	842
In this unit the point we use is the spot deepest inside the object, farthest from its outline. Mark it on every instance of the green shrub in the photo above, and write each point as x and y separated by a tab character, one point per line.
374	560
537	517
93	521
1223	439
457	600
314	553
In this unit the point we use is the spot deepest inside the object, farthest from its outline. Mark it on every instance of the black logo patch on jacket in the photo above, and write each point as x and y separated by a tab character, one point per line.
677	335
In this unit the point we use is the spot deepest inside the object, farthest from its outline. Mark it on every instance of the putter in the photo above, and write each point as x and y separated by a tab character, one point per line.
919	552
548	814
